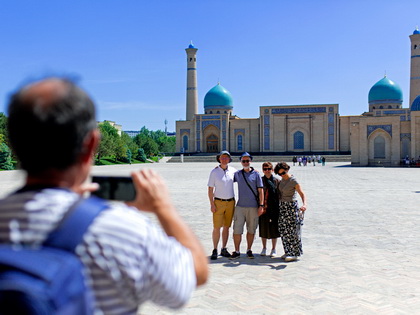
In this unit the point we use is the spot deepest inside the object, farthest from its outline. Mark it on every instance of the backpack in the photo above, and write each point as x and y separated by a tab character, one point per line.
49	279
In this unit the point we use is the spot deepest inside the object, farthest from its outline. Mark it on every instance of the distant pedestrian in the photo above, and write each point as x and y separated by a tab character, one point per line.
323	161
291	216
269	221
294	160
300	160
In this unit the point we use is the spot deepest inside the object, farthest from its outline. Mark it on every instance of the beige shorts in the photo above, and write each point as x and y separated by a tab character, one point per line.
245	215
224	213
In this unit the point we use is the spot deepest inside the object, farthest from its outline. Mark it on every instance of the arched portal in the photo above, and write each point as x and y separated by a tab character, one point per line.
212	143
298	140
379	147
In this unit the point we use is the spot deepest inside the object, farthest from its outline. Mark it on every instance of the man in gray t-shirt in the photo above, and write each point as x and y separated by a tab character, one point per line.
249	205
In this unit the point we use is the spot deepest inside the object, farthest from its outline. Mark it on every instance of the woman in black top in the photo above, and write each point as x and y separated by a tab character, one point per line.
268	222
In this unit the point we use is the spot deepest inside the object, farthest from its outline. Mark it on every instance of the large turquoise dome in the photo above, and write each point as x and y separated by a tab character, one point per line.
385	91
218	97
416	104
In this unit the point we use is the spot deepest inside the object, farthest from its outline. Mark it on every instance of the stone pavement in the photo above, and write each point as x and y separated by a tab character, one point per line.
361	240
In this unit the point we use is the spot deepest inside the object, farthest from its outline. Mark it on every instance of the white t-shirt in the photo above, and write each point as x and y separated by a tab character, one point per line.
128	259
222	181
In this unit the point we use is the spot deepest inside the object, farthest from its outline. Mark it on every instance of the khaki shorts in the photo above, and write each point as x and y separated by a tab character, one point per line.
224	213
248	215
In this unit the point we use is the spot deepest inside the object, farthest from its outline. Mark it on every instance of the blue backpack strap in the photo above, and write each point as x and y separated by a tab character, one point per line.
75	223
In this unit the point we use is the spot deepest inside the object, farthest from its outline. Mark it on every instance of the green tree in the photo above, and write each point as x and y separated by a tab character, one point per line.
167	144
141	156
3	128
129	142
109	141
144	141
5	156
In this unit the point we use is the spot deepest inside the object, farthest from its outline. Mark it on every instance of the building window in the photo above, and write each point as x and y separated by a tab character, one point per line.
185	143
379	147
298	140
239	143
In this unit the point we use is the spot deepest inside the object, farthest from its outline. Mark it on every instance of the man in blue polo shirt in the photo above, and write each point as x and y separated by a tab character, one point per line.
249	206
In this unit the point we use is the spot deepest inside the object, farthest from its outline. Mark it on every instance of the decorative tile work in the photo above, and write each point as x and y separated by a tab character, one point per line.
182	131
211	117
206	123
236	131
372	128
294	110
331	109
394	112
405	135
403	118
266	132
331	131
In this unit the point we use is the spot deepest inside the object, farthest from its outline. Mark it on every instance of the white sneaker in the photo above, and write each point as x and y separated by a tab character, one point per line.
273	253
290	258
263	252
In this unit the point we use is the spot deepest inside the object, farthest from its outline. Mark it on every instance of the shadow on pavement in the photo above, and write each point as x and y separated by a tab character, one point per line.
273	263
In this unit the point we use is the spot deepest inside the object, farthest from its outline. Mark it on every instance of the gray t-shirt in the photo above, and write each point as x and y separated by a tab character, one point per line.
287	189
246	197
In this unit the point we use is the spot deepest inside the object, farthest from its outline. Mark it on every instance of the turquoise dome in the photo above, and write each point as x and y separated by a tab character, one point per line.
416	31
385	91
218	96
416	104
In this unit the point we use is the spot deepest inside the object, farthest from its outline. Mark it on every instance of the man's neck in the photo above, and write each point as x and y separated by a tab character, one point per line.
249	169
68	178
223	166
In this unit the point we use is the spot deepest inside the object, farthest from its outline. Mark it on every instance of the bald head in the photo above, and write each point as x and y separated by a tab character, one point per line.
48	121
44	93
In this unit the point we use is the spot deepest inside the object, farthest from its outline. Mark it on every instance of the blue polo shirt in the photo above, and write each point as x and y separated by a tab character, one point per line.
246	197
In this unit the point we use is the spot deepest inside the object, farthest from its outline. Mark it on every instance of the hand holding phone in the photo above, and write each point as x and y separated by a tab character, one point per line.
114	188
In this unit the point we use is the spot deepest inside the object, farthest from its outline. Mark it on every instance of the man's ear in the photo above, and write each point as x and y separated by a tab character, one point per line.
90	144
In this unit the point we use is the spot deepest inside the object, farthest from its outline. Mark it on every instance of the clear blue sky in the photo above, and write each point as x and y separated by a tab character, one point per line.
130	55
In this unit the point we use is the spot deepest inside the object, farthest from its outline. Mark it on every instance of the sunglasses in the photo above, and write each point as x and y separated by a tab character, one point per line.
282	173
246	161
267	169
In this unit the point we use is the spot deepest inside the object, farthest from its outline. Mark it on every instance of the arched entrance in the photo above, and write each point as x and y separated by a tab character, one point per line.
212	144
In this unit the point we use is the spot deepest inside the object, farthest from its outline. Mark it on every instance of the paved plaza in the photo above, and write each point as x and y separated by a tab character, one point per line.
361	242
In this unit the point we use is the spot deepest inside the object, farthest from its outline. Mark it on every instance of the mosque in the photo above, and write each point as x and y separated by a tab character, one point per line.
385	134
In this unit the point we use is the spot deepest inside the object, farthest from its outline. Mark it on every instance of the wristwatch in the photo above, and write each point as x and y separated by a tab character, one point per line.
261	205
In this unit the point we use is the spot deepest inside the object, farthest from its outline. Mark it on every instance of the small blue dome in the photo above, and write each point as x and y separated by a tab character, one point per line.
416	104
416	31
218	96
191	46
385	91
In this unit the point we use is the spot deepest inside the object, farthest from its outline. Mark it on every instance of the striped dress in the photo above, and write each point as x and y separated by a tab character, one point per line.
128	260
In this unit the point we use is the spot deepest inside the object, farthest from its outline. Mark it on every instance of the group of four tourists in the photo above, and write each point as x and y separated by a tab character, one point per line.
263	201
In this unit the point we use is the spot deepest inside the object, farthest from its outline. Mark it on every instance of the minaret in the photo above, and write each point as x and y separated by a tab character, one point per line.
415	66
192	93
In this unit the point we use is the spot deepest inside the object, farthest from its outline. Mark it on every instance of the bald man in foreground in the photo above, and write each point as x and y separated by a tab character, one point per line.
127	259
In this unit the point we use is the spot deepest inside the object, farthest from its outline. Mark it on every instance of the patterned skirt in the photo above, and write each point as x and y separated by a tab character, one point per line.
290	228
